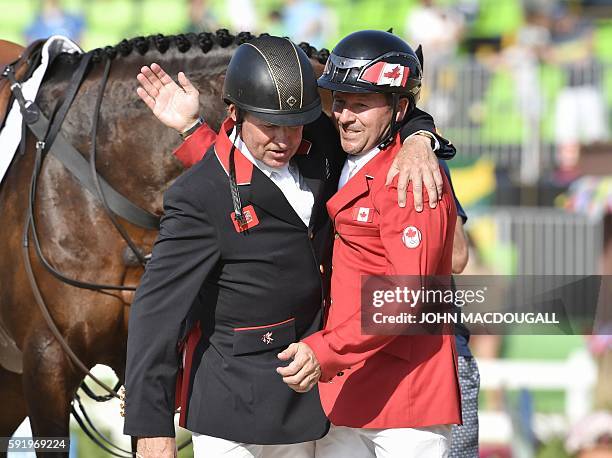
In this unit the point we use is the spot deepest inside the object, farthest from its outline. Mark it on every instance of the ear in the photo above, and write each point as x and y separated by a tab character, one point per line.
232	111
402	108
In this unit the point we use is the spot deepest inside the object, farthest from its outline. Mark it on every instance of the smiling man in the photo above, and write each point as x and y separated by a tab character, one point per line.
385	395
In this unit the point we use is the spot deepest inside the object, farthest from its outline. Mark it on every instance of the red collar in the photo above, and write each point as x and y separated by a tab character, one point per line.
244	167
223	145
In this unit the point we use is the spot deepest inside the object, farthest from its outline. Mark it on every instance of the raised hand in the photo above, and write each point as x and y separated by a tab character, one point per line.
175	106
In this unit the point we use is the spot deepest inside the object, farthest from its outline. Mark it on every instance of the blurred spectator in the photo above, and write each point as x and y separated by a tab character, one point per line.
241	15
52	19
522	60
535	32
591	437
600	346
580	115
275	24
309	21
438	29
469	9
201	17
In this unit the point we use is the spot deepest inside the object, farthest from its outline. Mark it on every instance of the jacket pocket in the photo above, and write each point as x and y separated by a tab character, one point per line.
256	339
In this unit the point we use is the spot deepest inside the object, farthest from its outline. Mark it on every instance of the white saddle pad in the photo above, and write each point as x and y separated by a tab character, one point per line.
10	136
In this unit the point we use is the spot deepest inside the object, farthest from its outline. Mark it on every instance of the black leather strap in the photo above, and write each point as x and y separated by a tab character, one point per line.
58	117
76	164
94	173
79	167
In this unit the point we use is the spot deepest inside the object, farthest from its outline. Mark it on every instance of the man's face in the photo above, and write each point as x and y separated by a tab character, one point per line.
271	144
363	119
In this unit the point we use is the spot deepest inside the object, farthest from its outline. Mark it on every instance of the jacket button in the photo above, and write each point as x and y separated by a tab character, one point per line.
336	235
321	268
311	235
340	374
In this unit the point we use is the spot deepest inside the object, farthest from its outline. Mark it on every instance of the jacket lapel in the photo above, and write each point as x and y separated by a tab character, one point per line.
353	189
266	195
223	146
359	184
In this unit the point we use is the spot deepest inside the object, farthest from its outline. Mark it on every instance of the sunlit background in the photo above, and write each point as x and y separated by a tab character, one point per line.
524	90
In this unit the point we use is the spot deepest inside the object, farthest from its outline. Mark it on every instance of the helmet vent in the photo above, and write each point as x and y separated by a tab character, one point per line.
285	69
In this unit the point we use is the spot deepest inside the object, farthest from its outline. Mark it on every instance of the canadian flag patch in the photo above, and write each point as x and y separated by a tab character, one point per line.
363	214
411	237
250	217
385	74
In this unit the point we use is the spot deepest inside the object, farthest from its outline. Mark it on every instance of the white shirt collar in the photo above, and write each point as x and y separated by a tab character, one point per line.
287	178
359	160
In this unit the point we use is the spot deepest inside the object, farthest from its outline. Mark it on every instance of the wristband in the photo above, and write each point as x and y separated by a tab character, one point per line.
435	145
192	129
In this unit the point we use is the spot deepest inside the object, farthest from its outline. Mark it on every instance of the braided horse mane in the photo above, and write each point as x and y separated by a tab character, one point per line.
183	42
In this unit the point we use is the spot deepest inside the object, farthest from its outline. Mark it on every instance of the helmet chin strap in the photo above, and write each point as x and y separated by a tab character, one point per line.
394	126
239	215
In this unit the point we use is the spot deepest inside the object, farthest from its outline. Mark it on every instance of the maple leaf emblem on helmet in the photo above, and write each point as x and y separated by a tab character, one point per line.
393	74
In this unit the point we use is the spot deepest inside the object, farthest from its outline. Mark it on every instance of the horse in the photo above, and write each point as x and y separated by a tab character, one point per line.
77	237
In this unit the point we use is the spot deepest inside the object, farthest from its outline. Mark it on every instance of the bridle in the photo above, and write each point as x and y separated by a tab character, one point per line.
51	141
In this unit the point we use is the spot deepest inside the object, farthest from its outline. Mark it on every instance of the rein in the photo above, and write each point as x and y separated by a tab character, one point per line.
43	147
94	173
51	141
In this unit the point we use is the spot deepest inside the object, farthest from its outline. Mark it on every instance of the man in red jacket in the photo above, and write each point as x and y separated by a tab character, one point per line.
385	395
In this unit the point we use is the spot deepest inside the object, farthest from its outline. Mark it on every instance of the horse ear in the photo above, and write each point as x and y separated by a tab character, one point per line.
390	30
419	53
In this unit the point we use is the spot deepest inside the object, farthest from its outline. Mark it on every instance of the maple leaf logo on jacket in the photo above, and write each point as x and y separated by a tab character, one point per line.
411	237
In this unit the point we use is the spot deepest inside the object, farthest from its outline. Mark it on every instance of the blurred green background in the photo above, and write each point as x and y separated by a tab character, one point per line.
109	21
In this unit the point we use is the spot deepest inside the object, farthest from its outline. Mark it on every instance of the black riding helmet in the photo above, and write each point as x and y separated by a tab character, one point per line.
273	79
373	61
